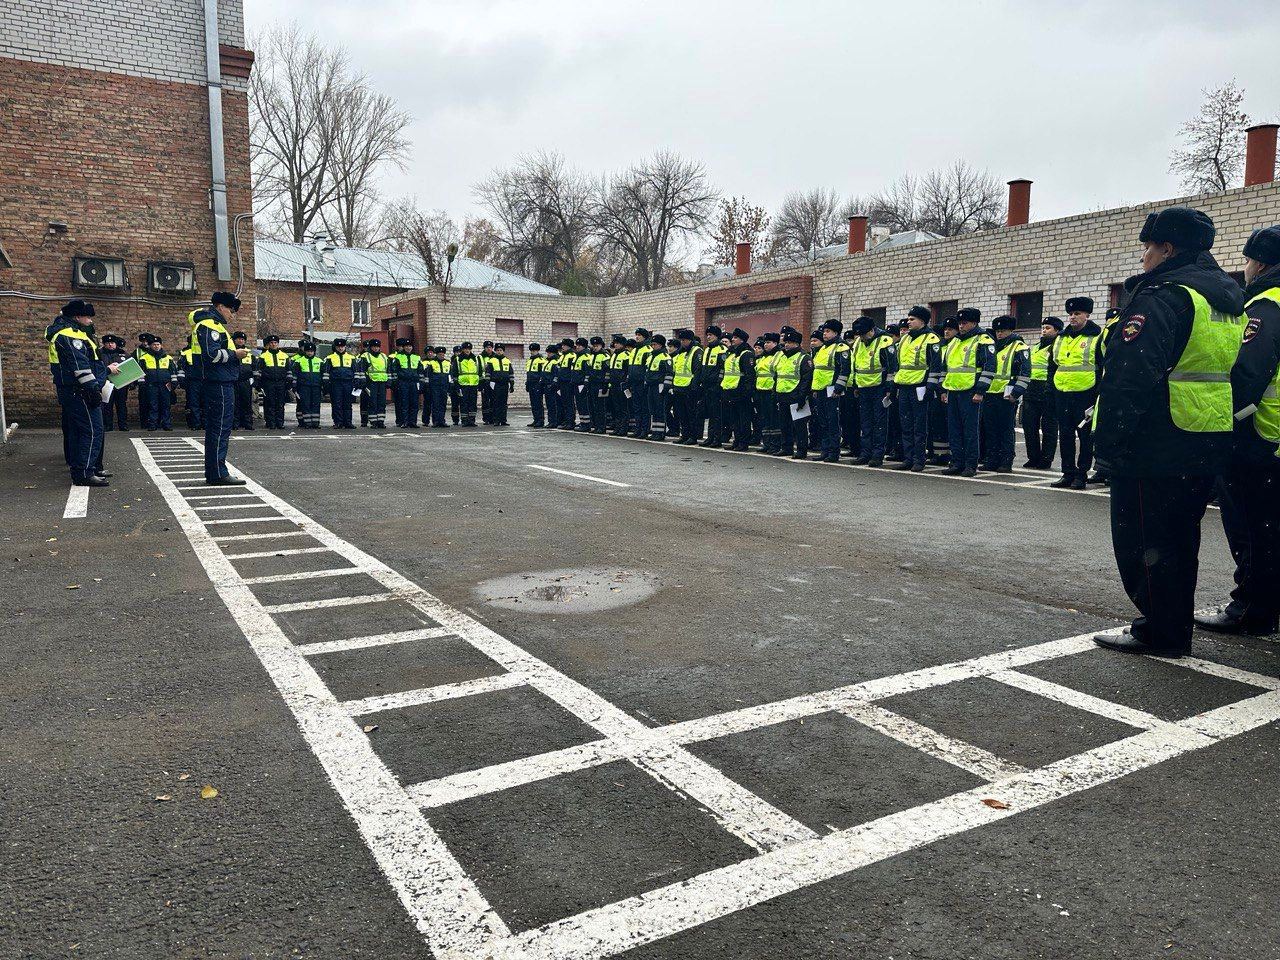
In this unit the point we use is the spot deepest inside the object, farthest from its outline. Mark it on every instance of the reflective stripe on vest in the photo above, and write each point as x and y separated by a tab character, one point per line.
273	358
640	356
339	360
151	362
307	364
1004	365
962	366
732	371
765	378
1266	419
375	367
786	371
1077	367
1040	363
468	372
867	369
824	364
1200	383
913	358
682	367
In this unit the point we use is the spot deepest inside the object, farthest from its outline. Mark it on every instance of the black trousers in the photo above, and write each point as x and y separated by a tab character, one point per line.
767	411
437	396
850	423
653	422
116	411
688	413
1072	411
795	433
455	403
244	405
274	393
373	404
407	393
195	404
501	393
158	404
1155	531
998	418
467	405
486	403
538	401
308	408
1250	501
714	407
1040	424
939	429
598	407
340	402
219	420
913	414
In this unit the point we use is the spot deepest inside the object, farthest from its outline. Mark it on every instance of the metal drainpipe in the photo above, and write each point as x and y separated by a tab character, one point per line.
217	152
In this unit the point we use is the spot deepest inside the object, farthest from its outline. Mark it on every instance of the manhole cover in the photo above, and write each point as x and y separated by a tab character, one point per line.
568	591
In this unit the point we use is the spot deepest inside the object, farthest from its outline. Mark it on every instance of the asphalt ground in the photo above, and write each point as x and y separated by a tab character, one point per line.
687	712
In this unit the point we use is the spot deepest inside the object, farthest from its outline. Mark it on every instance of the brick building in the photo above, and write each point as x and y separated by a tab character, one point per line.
110	186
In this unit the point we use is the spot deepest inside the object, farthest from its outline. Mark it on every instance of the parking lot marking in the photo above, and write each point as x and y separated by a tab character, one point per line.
1074	698
249	519
303	575
259	536
232	506
328	601
966	756
295	551
580	476
445	691
220	496
375	640
77	503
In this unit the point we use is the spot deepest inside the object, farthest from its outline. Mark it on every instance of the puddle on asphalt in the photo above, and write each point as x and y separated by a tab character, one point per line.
568	591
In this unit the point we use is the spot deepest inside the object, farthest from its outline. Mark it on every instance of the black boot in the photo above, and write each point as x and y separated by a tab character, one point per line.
1220	621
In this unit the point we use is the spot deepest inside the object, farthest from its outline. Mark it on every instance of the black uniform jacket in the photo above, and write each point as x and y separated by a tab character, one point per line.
1135	434
1255	367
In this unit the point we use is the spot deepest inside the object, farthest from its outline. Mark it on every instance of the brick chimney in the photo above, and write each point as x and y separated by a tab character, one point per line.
858	234
1019	203
1260	154
742	259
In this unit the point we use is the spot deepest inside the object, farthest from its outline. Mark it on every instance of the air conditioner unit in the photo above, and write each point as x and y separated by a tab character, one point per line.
98	273
165	276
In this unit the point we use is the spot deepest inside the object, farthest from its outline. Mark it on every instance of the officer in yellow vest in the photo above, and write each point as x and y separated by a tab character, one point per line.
708	386
116	411
1075	360
340	377
579	406
872	362
405	370
305	377
487	358
652	422
830	381
217	363
793	383
638	382
1164	422
1251	488
918	375
737	384
1000	408
82	389
1039	405
245	382
273	374
686	372
466	372
535	383
619	376
968	364
159	376
437	381
372	373
501	383
551	385
765	404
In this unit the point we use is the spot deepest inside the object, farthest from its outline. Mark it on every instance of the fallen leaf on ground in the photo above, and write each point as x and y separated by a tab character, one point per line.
207	792
995	804
163	797
370	727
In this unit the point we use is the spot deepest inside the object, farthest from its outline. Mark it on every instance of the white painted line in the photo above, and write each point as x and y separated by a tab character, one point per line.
580	476
375	640
966	756
247	520
446	906
304	575
232	506
261	536
276	553
77	503
446	691
1081	701
222	496
635	921
1228	673
330	602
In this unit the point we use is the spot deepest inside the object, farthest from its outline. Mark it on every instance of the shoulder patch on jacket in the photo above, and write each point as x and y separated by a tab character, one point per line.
1251	329
1132	327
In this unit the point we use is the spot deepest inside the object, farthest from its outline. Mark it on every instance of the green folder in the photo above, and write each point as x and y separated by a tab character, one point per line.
129	371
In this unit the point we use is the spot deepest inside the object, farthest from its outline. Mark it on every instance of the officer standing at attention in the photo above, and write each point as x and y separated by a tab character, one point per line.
999	410
1251	505
1164	423
157	382
850	426
766	390
1074	360
502	380
830	381
551	385
637	383
1039	406
619	380
651	423
273	374
219	363
372	374
466	373
82	383
535	384
139	349
305	377
403	368
244	383
188	380
455	395
737	383
918	374
873	361
708	386
436	387
340	377
686	368
117	410
793	383
486	394
968	365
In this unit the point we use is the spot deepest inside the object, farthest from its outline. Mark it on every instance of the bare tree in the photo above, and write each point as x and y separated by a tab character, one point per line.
431	234
646	211
960	199
1211	156
368	135
481	240
542	209
739	221
292	93
897	206
808	220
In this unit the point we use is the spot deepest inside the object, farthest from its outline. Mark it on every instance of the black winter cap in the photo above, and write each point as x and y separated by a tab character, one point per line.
597	341
536	346
951	323
1080	305
79	308
659	339
112	338
714	332
1004	322
862	325
403	341
1183	227
833	324
791	336
1264	246
1054	322
920	313
221	298
968	315
739	334
270	338
771	338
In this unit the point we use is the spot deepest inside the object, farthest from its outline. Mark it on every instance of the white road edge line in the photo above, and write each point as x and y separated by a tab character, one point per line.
77	503
580	476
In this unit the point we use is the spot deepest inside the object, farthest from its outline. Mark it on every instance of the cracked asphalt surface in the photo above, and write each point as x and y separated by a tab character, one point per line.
773	580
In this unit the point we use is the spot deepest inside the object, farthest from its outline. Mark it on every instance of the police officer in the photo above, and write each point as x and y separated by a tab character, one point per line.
159	375
573	380
551	385
404	370
939	424
686	368
1251	504
82	388
619	390
372	373
652	421
218	362
1039	405
596	369
872	362
273	374
968	365
339	375
919	373
793	383
850	426
116	411
305	378
708	386
637	383
244	382
1074	360
455	395
765	397
139	350
535	383
502	383
189	381
1000	408
466	372
436	385
737	384
486	393
1164	422
830	381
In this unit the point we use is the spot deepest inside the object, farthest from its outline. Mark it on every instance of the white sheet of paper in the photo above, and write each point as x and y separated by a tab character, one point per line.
886	401
108	389
799	412
831	390
355	393
1008	392
627	393
920	392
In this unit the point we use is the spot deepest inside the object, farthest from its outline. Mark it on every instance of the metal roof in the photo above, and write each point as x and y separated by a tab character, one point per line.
282	262
904	239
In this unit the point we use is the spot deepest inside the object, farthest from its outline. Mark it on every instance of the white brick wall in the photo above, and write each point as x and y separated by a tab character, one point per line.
156	39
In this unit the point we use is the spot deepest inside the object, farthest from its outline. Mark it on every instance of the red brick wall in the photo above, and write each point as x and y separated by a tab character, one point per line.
124	162
284	316
799	290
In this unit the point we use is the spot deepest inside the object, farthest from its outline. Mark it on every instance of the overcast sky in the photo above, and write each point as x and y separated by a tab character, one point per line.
1084	98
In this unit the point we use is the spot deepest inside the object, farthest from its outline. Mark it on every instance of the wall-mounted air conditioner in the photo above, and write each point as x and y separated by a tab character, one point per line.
165	276
98	273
